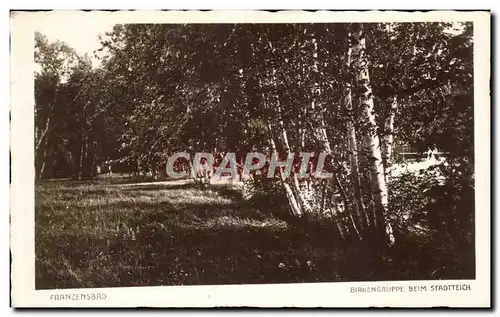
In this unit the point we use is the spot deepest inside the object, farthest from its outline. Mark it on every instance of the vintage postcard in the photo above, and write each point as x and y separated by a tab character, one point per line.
250	159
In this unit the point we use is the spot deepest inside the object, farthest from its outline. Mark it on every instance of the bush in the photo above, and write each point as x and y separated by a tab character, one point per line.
433	212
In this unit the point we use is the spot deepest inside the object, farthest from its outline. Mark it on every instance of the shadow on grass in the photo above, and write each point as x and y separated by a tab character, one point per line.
176	256
191	243
229	250
164	243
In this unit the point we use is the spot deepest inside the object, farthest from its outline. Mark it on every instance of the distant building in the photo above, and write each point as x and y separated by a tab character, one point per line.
404	152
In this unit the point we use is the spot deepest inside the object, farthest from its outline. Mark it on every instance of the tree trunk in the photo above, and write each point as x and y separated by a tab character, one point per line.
321	135
362	216
371	139
387	140
302	200
93	165
295	190
44	158
42	143
292	201
82	158
335	213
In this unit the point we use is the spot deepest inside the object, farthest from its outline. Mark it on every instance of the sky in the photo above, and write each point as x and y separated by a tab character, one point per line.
78	32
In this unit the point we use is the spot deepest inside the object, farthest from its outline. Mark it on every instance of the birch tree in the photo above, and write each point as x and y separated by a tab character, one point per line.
372	145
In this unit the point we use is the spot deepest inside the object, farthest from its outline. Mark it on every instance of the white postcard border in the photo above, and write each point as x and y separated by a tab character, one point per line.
336	294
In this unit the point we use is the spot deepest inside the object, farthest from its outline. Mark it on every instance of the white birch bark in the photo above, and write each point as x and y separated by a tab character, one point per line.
372	141
306	207
302	200
292	201
42	142
322	137
361	214
388	139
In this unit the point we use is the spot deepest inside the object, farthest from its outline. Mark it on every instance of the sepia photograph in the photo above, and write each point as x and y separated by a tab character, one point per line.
254	150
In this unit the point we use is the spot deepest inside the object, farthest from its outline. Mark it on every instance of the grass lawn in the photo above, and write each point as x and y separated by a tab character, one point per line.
96	234
103	233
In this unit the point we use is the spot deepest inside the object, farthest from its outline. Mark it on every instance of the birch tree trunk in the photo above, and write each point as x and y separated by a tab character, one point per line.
304	204
323	138
302	200
371	138
44	158
82	159
387	140
292	201
334	210
362	216
328	202
42	143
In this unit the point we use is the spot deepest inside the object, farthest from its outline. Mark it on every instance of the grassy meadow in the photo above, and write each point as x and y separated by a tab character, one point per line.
104	233
99	234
